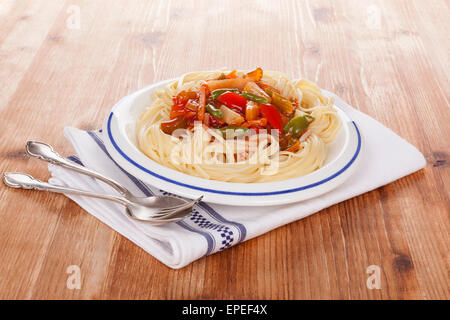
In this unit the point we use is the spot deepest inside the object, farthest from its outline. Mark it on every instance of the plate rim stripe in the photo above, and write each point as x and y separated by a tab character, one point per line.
271	193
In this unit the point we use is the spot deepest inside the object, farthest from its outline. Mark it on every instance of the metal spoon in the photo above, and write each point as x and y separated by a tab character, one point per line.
135	210
45	152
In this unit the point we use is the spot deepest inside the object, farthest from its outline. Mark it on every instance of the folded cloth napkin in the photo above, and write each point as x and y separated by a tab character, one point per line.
211	227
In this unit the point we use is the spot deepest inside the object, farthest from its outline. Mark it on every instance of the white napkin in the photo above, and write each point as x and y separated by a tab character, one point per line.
212	228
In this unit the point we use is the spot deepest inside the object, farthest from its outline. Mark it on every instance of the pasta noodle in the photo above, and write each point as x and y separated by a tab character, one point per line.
204	153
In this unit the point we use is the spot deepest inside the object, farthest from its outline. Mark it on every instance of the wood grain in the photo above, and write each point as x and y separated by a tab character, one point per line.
390	59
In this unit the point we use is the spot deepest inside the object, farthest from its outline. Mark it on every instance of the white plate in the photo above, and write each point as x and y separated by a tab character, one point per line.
120	139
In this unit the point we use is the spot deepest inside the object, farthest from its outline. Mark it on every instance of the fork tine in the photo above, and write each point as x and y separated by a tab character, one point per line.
184	207
169	210
164	221
175	216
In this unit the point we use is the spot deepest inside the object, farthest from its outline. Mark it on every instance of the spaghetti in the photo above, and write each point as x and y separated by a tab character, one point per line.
239	127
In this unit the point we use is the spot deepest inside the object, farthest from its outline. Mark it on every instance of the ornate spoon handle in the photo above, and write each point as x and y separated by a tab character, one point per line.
45	152
25	181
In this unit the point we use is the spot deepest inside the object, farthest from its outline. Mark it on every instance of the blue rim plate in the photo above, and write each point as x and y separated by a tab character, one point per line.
119	136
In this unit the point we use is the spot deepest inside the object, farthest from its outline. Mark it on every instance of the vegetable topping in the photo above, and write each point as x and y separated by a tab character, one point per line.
237	102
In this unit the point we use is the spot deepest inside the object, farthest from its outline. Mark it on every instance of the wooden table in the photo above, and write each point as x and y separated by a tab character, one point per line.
65	63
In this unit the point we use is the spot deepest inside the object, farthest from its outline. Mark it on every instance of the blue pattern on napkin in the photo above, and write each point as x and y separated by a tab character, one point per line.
218	232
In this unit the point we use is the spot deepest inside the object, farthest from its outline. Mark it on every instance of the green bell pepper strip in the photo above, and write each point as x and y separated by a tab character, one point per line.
237	131
213	111
296	126
216	93
254	97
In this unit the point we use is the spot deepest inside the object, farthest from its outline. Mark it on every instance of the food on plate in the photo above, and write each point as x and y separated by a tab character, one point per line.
239	126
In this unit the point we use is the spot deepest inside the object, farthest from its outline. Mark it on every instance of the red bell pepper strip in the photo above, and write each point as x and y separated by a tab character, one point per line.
183	97
233	101
177	110
187	110
201	103
273	116
180	102
231	75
